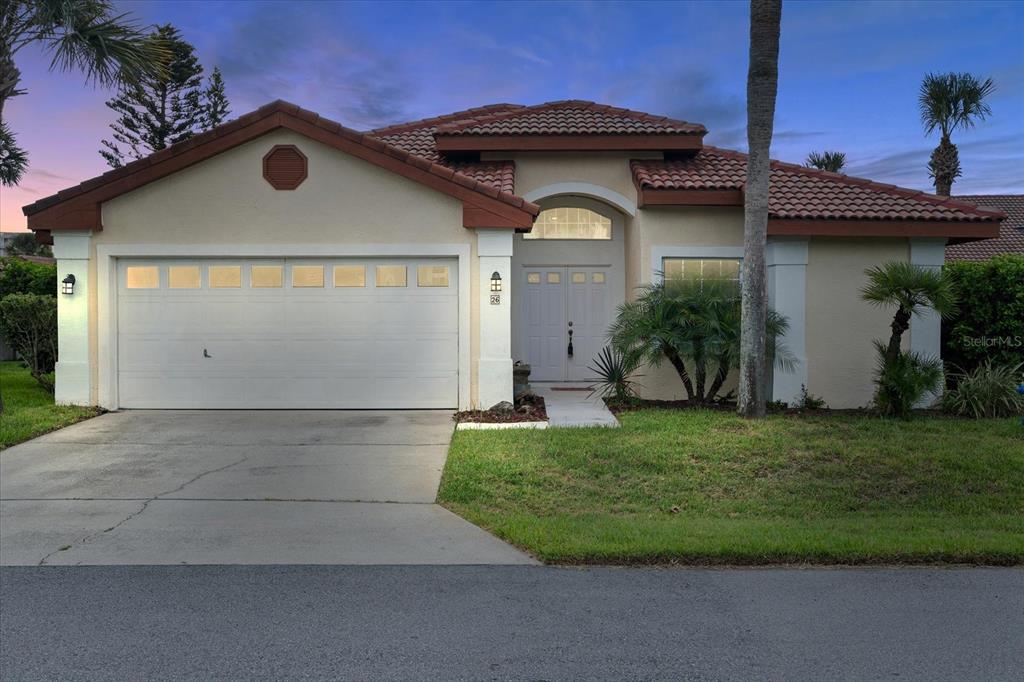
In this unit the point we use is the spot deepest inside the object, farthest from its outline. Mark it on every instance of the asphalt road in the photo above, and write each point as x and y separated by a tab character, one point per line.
511	622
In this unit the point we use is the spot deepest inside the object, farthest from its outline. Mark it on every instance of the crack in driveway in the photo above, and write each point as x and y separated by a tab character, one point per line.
145	504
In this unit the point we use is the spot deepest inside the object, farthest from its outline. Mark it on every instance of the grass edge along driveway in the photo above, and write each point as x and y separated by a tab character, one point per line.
702	487
29	410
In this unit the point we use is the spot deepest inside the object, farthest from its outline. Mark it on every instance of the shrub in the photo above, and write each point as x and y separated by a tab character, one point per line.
990	323
904	380
29	323
19	276
696	327
987	391
614	374
809	401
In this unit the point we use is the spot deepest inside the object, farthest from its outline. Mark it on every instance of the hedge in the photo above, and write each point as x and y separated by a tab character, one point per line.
990	324
19	276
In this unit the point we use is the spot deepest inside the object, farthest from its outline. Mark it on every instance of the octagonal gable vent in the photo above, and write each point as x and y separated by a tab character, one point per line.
285	167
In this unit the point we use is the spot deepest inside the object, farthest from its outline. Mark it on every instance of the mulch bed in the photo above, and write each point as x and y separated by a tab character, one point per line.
528	408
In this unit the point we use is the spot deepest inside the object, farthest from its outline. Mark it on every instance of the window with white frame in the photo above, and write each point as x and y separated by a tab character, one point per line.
570	223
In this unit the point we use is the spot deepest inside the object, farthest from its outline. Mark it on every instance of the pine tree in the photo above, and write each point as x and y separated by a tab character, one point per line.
215	101
159	110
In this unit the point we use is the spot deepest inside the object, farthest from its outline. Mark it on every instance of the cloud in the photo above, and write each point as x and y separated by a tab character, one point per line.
475	39
991	165
304	57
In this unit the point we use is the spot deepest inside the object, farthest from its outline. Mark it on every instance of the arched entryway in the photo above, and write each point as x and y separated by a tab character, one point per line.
569	279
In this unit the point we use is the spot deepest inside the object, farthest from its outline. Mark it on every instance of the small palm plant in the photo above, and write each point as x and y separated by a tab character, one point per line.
904	378
826	161
614	375
949	101
695	326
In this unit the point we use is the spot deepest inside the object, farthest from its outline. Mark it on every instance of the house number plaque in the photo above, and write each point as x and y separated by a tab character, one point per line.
495	299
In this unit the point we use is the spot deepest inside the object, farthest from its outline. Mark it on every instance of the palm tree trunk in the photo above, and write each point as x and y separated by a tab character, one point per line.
680	368
762	86
900	324
944	166
721	374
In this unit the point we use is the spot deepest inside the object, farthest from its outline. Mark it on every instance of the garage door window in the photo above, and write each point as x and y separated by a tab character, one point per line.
349	276
142	277
305	276
391	276
432	275
267	276
225	276
183	277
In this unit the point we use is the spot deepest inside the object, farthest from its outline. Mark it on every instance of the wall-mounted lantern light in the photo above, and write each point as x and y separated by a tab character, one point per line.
67	285
495	282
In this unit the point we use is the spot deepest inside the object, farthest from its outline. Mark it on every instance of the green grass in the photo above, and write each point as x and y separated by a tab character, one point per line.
702	487
28	407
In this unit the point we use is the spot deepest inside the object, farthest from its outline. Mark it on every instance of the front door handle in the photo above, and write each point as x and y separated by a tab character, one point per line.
570	340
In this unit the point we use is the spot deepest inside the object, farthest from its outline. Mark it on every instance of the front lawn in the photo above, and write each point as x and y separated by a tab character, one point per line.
28	407
703	487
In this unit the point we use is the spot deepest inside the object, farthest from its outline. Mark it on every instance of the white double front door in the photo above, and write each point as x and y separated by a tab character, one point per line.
565	314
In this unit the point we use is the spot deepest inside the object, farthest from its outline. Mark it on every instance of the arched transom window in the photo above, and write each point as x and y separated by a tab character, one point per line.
570	223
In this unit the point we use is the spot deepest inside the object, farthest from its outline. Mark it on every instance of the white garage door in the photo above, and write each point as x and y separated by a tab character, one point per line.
288	333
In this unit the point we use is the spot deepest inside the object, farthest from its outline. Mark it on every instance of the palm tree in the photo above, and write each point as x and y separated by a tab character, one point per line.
903	378
762	87
826	161
81	35
911	289
693	325
949	101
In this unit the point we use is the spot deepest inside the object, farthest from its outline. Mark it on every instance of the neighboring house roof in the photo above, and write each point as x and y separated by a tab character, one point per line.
1011	232
715	176
485	205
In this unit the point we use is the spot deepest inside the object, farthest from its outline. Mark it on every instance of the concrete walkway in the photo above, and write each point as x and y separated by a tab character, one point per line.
238	487
571	404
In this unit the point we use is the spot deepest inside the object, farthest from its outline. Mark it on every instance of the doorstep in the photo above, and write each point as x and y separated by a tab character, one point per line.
574	404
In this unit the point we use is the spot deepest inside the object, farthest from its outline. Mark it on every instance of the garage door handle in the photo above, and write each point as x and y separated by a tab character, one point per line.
206	354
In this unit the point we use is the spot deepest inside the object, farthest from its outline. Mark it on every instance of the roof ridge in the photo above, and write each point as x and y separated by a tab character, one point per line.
396	128
454	126
275	107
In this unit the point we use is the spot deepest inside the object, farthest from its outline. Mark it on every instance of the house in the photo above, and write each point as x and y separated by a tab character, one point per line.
1011	233
283	260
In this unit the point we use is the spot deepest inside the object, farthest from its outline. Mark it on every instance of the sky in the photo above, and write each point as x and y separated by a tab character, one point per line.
848	74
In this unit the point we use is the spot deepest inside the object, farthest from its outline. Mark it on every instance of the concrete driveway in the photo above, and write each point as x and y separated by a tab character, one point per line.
238	487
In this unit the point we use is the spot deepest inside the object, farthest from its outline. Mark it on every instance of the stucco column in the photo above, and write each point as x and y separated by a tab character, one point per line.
926	328
787	294
494	368
73	378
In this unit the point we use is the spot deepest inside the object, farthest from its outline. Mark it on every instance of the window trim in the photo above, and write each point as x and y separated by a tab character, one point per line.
609	218
660	252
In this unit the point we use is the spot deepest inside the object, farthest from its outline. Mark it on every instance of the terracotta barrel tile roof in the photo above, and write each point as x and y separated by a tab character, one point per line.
804	193
571	117
1011	232
417	137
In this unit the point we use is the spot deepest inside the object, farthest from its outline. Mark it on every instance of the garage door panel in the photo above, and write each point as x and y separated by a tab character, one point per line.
286	346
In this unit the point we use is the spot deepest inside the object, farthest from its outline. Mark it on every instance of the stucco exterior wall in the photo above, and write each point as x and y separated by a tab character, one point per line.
540	169
840	325
656	227
225	200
